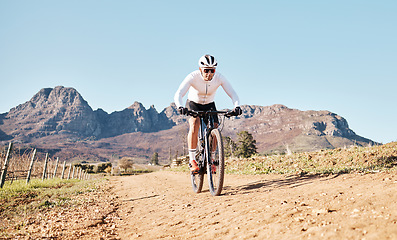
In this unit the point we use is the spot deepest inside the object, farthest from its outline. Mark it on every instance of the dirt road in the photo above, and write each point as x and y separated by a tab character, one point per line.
162	205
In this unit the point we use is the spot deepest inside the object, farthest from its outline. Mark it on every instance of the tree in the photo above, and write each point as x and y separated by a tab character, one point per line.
170	159
102	167
155	158
230	146
125	163
246	144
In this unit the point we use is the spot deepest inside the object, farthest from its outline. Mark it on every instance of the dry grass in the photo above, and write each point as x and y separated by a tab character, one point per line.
20	201
354	159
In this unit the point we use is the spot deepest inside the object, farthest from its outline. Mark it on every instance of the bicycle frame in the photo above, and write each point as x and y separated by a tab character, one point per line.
205	130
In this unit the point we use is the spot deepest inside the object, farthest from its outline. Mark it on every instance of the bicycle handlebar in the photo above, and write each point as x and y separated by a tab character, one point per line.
193	113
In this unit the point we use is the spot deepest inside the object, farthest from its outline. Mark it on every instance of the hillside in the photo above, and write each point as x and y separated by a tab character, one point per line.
59	120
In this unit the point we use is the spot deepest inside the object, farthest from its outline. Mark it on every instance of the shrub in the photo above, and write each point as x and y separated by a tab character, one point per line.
125	163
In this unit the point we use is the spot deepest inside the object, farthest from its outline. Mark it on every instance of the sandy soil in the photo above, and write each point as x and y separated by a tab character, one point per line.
162	205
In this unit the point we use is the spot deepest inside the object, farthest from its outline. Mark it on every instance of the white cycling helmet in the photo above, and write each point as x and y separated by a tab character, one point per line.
207	61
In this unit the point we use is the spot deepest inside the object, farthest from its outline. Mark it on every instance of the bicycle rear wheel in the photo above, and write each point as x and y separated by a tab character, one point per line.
216	166
198	178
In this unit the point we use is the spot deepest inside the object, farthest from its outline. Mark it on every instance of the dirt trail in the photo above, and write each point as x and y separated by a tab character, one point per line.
162	205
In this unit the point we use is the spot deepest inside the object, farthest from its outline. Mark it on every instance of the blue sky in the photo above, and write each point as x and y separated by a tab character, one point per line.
335	55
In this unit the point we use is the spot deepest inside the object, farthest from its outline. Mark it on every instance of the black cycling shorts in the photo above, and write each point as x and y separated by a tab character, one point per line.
202	107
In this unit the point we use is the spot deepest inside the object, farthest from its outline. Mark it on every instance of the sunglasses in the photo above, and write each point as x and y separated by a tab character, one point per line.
207	70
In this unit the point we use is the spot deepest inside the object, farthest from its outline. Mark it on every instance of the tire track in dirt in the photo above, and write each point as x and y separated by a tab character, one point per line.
162	205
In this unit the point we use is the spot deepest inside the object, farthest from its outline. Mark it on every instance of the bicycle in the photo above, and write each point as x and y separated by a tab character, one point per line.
210	141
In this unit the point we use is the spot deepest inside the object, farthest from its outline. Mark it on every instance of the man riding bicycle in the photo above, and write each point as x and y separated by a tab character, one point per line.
202	85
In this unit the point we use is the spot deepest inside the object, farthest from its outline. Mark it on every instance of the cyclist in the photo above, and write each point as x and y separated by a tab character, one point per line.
202	85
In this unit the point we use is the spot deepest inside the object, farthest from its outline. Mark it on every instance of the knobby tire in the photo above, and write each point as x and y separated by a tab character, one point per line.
197	182
215	180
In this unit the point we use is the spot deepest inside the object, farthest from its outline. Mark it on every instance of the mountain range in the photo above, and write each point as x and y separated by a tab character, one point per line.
58	120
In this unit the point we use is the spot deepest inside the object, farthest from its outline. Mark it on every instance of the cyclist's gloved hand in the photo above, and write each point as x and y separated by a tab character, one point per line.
182	110
237	111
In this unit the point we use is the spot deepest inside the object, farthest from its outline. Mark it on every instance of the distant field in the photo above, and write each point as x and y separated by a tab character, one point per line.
340	160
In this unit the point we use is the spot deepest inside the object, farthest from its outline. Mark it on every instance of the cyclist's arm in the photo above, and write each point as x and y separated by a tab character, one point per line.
230	92
182	90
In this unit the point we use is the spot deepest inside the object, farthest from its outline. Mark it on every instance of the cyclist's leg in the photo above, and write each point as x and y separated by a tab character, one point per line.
194	125
194	128
192	137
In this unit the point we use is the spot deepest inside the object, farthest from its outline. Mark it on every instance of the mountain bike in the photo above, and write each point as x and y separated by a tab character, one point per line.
209	153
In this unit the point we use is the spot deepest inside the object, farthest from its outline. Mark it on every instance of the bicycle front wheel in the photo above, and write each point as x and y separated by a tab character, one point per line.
197	181
216	163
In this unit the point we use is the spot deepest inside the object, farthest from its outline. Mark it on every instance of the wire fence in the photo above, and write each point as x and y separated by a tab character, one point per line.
17	164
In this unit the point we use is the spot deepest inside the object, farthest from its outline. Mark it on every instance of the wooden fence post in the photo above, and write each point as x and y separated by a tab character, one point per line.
79	174
4	170
45	166
70	169
63	169
31	166
74	168
56	168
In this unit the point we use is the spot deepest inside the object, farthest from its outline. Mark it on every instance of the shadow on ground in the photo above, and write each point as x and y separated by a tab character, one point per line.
282	182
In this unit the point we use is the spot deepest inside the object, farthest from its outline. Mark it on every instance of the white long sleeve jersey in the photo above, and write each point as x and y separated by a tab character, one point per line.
203	92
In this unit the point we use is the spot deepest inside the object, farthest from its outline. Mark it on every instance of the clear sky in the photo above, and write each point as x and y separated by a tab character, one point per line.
334	55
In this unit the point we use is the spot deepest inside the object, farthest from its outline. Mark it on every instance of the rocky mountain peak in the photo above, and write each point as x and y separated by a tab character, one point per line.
136	106
63	110
171	112
59	95
52	98
51	111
